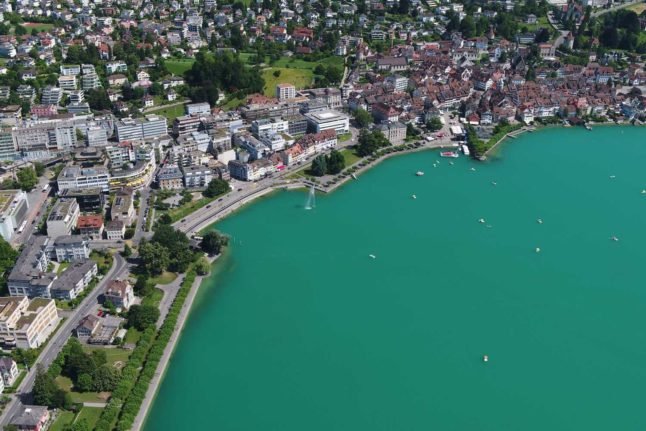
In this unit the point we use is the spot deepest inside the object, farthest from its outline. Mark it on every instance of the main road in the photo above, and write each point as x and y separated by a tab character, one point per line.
58	340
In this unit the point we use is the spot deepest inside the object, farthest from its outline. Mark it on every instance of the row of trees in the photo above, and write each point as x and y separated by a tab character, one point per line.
331	164
141	317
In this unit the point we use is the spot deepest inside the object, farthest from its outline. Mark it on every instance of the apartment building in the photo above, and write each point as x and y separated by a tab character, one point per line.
75	177
29	276
13	211
63	218
70	248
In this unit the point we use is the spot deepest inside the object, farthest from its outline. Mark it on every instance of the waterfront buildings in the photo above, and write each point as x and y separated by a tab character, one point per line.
13	212
120	294
196	176
170	177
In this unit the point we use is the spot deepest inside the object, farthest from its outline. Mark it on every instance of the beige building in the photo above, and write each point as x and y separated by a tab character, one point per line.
63	218
26	324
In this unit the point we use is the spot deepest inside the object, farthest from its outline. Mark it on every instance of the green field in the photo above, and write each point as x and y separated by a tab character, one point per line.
295	63
91	414
114	355
350	156
132	336
171	112
164	278
178	67
64	418
301	78
154	298
38	26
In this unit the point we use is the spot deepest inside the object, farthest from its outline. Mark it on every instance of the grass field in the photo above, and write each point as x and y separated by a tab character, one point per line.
113	354
65	383
295	63
154	298
178	67
132	336
350	156
64	418
91	414
38	26
164	278
301	78
171	112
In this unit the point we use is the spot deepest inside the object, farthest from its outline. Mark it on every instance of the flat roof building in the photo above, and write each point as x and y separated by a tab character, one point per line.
328	120
63	218
13	211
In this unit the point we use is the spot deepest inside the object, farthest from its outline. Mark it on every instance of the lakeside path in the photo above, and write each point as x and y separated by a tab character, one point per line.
151	392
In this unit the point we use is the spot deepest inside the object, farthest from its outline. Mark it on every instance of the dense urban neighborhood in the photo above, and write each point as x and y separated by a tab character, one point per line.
128	127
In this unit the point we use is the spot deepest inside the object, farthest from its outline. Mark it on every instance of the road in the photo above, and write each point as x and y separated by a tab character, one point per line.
615	8
58	340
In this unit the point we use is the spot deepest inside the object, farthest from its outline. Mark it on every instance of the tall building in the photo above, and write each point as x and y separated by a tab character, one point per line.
151	126
24	323
62	218
75	177
13	211
8	149
285	91
51	96
96	136
328	120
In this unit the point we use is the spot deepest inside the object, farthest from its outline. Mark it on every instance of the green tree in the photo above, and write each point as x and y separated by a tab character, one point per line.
212	242
127	251
187	198
369	142
142	287
84	383
142	316
46	392
27	178
216	187
362	117
154	256
105	378
319	166
8	257
202	266
468	27
98	99
80	425
39	168
165	219
434	124
335	162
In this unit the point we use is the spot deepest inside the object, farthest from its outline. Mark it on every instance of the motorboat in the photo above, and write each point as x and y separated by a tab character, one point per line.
539	221
538	249
451	154
485	358
481	220
372	256
414	197
614	238
419	173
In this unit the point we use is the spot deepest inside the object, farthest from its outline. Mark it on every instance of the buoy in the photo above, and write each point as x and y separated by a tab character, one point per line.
485	358
538	249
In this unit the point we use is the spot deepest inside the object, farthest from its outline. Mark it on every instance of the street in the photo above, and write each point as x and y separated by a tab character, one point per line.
59	338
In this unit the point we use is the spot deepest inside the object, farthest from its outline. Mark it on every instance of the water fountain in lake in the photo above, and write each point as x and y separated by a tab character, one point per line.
311	199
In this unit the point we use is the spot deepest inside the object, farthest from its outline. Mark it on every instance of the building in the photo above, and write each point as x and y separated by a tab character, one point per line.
71	282
51	96
265	125
25	323
31	418
63	218
70	69
170	177
75	177
97	330
120	294
328	120
394	132
115	230
123	207
198	108
67	83
9	115
318	142
71	248
8	370
8	148
89	200
285	91
29	276
186	124
87	327
197	176
13	212
296	124
90	81
152	126
90	226
96	136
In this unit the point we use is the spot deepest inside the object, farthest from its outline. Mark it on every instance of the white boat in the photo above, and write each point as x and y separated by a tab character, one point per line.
485	358
481	220
465	150
372	256
451	154
414	197
354	176
493	183
539	221
614	238
644	192
612	177
538	249
473	169
419	173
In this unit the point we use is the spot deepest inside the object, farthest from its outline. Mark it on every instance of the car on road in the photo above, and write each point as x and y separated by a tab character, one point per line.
183	220
239	190
208	206
220	200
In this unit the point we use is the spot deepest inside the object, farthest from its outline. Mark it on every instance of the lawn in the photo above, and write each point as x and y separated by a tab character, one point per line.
178	67
171	112
132	336
113	354
184	210
154	298
62	267
38	26
165	277
64	418
301	78
350	156
91	414
90	397
295	63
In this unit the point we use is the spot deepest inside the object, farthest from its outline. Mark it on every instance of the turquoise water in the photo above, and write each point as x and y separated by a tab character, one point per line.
301	330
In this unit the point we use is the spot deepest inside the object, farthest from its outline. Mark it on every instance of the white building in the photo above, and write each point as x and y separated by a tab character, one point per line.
75	177
198	108
328	120
26	324
71	248
63	217
13	211
285	91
